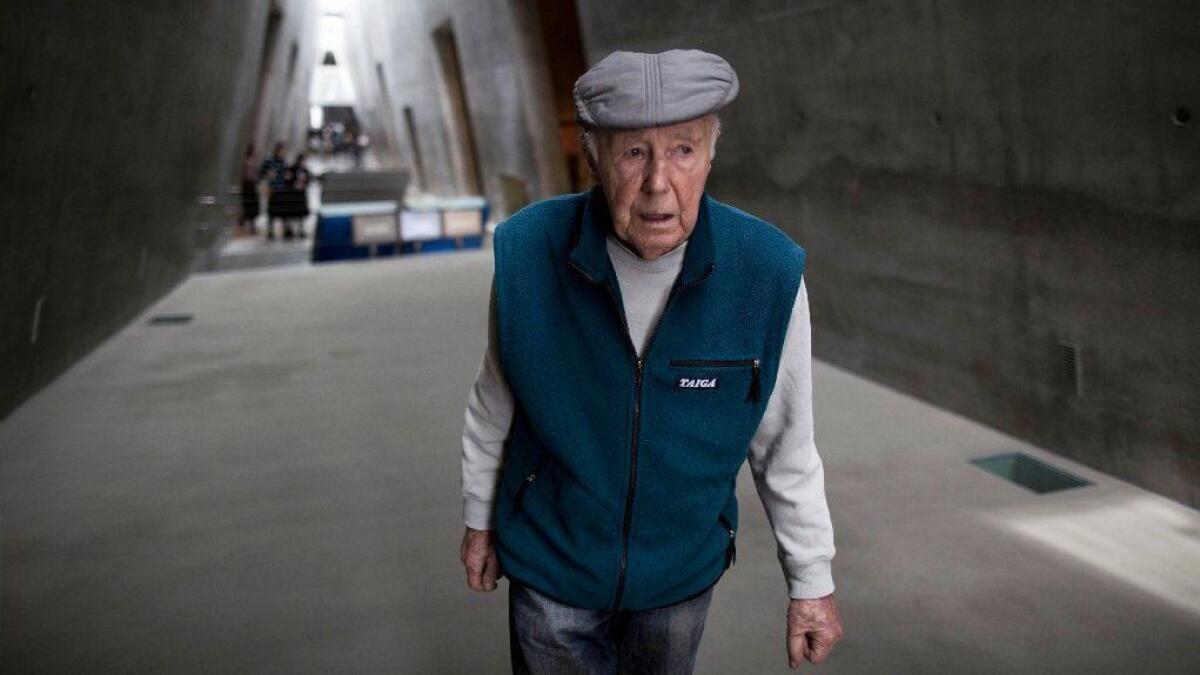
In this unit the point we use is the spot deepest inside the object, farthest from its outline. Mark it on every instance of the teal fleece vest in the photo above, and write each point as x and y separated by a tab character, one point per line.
617	487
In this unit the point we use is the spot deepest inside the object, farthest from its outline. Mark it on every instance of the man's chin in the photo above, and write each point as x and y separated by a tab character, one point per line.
659	242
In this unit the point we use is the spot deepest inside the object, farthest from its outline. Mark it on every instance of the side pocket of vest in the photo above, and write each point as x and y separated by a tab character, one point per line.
525	484
731	549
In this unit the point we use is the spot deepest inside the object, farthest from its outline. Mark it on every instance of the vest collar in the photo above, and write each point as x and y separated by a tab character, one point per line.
588	252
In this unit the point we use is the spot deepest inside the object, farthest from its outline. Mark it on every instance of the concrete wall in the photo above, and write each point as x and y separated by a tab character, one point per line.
285	65
976	182
504	73
118	119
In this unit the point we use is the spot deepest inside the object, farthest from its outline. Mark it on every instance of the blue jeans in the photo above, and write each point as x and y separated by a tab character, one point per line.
547	636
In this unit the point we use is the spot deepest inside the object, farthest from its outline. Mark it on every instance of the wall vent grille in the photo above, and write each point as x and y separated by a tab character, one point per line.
1070	368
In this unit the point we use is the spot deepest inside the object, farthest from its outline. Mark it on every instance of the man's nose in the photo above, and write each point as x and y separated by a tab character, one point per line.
655	179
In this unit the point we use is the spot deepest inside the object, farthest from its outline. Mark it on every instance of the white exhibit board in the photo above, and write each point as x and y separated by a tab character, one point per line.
420	225
375	229
462	222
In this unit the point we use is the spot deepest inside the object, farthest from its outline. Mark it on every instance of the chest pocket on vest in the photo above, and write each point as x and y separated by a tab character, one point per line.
703	374
714	404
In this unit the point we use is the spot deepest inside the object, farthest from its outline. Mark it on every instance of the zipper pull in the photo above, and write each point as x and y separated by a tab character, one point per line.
638	367
752	395
520	496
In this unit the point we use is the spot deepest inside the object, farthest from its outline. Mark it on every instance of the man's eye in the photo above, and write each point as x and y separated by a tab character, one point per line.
635	152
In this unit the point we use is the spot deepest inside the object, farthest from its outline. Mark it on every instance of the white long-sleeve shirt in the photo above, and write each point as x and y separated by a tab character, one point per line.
787	470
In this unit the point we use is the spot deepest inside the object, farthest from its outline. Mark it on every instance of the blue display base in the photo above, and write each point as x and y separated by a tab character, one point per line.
327	253
441	245
334	240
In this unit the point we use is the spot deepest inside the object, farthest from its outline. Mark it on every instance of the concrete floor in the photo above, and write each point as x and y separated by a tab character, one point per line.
244	251
274	488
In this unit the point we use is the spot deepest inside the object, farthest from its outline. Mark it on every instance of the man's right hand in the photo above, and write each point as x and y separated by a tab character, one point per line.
479	557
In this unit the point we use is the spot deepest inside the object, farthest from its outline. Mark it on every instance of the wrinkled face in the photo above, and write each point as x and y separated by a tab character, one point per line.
653	179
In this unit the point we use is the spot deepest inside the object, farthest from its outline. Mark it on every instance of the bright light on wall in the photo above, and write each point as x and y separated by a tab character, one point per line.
331	34
333	6
331	84
316	117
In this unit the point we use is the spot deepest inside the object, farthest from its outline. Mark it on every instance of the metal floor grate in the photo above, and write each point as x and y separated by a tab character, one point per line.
1030	473
170	319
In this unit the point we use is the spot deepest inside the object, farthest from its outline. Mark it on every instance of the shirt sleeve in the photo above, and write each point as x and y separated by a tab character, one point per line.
487	421
787	470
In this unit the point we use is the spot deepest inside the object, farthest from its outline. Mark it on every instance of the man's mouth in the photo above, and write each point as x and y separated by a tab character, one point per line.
657	217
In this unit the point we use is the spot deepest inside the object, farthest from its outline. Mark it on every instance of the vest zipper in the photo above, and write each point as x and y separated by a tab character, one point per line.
752	393
637	407
637	420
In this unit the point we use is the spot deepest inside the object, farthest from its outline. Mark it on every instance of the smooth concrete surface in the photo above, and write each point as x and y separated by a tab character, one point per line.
251	251
509	106
124	130
274	488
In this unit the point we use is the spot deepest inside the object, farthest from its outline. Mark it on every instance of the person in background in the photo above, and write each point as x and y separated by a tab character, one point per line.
361	141
274	171
250	178
295	198
338	137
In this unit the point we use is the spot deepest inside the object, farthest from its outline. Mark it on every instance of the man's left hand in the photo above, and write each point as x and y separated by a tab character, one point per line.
478	555
813	628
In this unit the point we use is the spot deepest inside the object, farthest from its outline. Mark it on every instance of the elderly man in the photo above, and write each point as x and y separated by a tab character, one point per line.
644	340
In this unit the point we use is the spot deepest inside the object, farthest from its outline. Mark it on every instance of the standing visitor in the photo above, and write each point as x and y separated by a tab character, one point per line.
294	200
250	178
274	171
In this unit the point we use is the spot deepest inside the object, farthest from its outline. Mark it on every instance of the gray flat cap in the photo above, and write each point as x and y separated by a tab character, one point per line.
631	90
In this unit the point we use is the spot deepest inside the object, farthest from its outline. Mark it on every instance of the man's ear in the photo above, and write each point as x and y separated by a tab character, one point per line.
591	161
